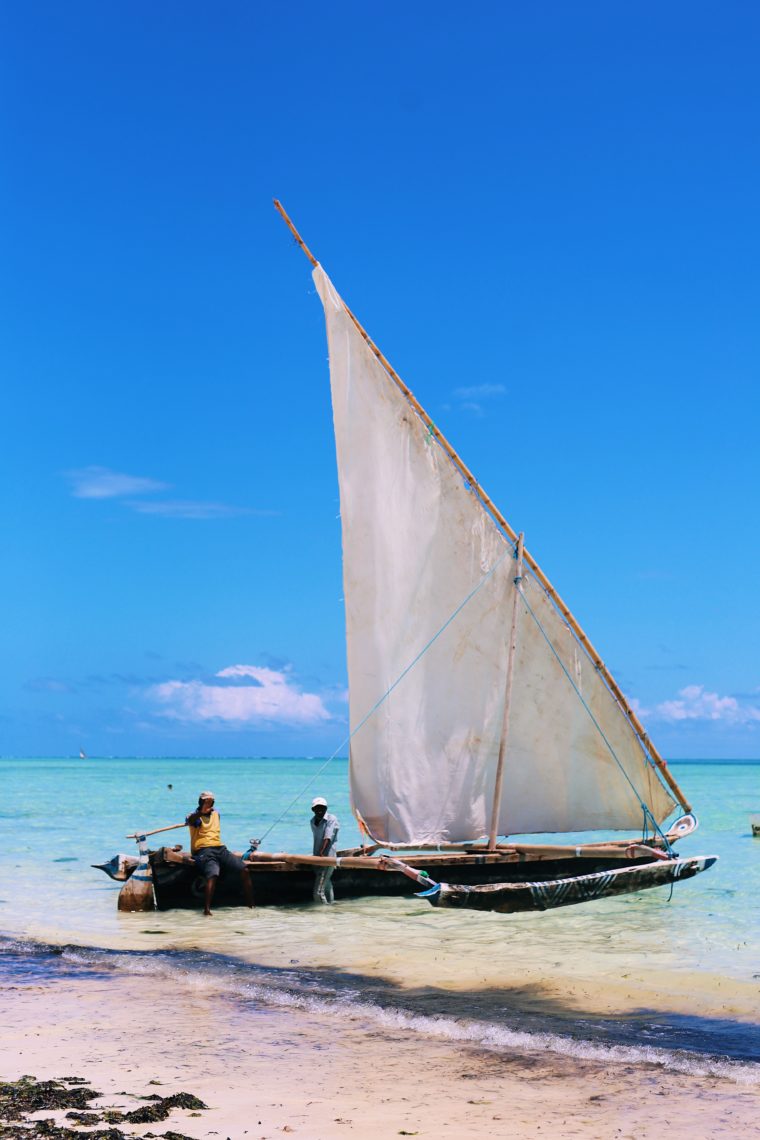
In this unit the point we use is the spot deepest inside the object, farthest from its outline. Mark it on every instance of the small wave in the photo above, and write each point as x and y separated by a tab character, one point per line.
291	990
324	995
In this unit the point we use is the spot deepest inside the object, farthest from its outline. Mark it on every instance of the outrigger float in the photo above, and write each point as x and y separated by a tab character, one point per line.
479	709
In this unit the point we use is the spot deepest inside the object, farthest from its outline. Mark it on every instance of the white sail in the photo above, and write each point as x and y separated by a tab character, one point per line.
417	543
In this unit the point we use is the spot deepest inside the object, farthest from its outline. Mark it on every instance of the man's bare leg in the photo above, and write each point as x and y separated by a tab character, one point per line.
245	880
208	894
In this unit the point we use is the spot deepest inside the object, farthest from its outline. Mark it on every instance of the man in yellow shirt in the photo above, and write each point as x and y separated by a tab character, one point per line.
209	852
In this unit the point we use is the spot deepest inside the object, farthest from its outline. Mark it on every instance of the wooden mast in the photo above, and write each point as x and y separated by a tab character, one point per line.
496	514
499	781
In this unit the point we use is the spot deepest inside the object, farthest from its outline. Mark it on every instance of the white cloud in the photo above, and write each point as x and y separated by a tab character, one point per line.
479	392
48	685
190	509
102	483
244	695
696	703
468	399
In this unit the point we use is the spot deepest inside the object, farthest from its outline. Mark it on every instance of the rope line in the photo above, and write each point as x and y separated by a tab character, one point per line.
509	549
647	813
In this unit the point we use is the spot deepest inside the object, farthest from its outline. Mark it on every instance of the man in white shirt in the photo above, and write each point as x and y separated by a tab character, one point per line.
324	828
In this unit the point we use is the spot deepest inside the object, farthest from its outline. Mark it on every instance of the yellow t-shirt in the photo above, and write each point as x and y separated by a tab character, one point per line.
208	834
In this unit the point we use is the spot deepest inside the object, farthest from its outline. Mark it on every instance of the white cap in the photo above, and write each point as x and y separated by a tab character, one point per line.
319	802
207	796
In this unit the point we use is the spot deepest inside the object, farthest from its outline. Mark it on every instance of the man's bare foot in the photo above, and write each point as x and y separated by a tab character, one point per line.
207	914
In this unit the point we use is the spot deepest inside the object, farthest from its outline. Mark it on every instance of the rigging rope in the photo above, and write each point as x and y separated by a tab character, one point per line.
509	549
647	813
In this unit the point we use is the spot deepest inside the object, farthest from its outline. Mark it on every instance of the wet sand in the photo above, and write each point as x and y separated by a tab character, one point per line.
270	1072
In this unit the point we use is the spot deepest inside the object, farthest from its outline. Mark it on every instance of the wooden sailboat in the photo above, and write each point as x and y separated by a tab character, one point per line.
479	709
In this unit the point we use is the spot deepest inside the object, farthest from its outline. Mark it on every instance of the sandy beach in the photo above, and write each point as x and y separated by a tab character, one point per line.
265	1073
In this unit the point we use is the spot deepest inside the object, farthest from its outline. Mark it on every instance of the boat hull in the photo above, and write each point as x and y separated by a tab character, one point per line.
178	884
546	894
475	882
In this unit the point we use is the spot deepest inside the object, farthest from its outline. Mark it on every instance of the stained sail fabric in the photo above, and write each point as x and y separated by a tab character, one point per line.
417	544
574	762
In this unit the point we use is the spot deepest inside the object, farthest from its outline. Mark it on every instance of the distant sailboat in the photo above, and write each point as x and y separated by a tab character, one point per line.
82	754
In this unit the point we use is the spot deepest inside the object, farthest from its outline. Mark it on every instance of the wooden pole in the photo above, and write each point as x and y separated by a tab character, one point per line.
498	517
499	781
423	880
157	831
279	207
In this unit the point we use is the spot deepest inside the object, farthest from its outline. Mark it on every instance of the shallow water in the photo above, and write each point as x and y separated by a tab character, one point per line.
679	973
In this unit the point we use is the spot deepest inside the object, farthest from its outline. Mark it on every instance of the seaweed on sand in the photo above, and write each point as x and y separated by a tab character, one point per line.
47	1128
30	1095
157	1110
18	1099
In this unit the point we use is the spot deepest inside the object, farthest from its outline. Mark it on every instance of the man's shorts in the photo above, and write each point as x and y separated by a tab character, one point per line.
210	860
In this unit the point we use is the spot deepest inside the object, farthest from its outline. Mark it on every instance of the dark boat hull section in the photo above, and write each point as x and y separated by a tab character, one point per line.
546	894
528	885
180	885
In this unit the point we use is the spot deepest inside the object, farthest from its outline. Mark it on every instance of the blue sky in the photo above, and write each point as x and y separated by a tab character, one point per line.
545	214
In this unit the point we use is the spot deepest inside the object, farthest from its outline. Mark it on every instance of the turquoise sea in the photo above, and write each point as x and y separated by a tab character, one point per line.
646	977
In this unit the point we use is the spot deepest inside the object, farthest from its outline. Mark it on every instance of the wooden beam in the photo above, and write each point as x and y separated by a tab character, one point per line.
499	779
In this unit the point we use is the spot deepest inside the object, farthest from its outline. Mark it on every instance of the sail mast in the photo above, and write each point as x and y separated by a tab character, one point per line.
499	781
496	514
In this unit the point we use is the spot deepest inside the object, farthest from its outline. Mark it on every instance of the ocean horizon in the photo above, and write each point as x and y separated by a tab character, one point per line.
287	756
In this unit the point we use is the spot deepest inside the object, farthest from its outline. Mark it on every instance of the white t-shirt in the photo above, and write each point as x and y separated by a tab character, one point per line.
327	828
